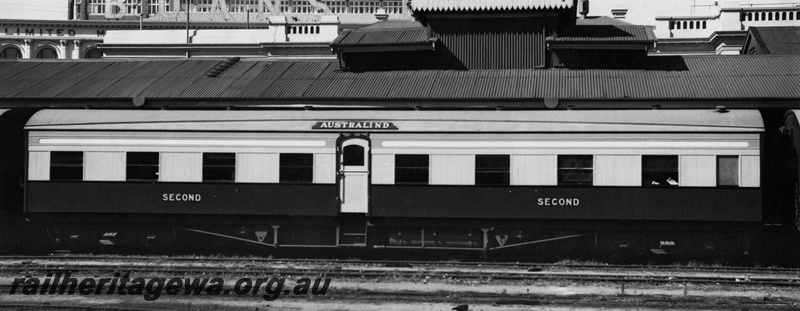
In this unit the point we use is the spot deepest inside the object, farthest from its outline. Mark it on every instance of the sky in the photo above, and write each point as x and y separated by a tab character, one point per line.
33	9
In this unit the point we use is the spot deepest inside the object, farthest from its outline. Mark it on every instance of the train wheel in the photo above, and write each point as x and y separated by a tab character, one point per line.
220	242
617	248
159	241
567	245
77	240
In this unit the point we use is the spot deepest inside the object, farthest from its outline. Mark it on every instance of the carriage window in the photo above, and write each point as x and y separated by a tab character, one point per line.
659	170
411	169
727	170
297	168
142	166
492	169
353	155
66	165
575	170
219	167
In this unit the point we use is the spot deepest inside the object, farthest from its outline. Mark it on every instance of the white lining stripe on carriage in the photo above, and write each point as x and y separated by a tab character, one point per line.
184	142
573	144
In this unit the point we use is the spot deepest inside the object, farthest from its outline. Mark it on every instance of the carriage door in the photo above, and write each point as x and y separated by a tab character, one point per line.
354	175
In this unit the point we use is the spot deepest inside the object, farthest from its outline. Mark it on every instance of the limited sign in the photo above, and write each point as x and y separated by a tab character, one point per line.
53	32
353	125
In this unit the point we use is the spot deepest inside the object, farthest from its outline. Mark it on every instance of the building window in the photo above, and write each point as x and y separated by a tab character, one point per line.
337	7
10	53
353	155
97	6
243	6
393	7
492	169
93	53
659	170
296	168
704	24
133	7
364	7
219	167
727	170
575	170
285	6
204	5
411	169
141	166
154	6
66	165
301	6
47	53
197	5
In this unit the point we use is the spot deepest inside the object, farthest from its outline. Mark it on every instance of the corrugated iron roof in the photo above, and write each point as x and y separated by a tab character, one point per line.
384	36
741	120
360	37
666	77
777	40
607	33
487	5
600	20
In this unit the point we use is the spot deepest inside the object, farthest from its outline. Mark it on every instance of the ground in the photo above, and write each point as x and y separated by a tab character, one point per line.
425	291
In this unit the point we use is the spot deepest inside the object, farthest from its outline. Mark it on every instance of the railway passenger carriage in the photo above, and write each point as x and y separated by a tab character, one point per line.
471	180
551	134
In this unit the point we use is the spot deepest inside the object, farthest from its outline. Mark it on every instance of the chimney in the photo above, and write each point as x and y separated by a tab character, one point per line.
583	7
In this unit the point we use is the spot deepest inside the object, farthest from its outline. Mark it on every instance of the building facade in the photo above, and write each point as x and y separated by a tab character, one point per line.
701	26
349	11
77	28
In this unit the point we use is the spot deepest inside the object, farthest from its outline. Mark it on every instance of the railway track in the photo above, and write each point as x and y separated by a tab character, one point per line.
458	274
575	302
64	306
359	269
422	264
